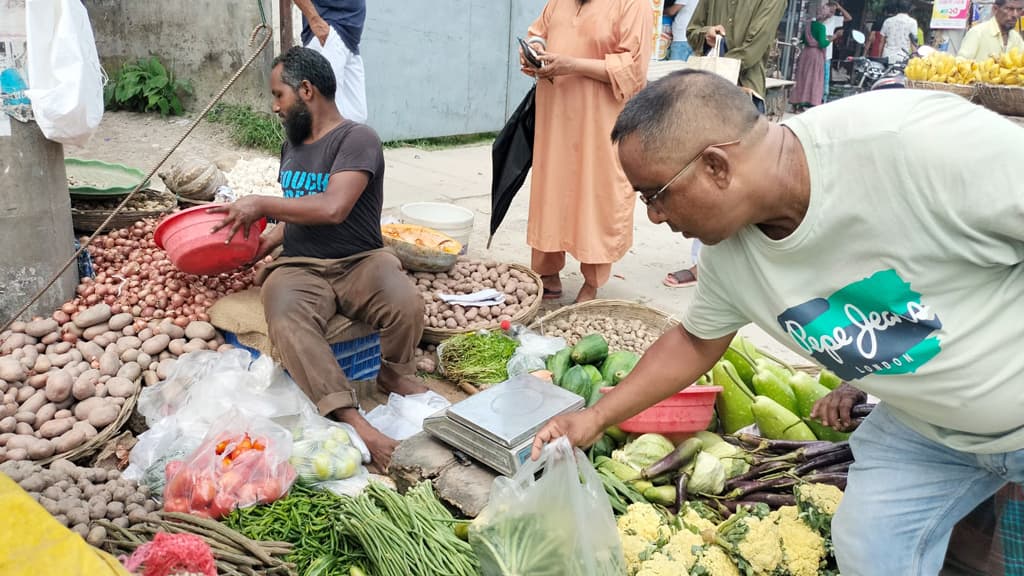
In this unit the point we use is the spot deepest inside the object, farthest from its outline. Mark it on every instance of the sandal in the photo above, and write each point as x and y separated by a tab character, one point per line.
551	294
680	279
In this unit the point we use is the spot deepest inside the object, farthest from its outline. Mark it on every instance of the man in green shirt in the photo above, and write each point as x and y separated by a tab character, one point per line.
749	28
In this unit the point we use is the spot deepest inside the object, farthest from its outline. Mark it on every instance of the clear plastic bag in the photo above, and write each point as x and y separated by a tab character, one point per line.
561	523
326	453
403	416
532	352
242	461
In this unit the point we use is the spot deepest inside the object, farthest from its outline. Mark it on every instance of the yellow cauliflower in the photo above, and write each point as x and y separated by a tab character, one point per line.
696	521
761	547
645	521
824	497
715	562
635	549
680	547
804	549
661	565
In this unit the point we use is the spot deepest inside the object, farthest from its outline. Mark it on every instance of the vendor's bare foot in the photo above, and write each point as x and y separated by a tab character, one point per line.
587	293
401	384
381	447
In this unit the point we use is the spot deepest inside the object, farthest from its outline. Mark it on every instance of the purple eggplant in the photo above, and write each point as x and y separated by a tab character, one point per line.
676	459
835	457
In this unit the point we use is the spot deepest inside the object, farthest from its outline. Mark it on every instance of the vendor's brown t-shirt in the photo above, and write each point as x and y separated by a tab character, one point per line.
306	169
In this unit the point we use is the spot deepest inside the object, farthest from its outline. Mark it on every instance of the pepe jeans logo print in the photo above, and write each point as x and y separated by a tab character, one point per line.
877	325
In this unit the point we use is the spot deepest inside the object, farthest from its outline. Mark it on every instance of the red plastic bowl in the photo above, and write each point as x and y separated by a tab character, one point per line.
190	246
688	411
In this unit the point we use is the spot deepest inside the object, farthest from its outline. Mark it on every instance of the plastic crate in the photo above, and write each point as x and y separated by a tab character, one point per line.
688	411
359	358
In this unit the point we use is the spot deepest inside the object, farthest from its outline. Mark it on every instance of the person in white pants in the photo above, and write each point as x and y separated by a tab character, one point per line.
334	28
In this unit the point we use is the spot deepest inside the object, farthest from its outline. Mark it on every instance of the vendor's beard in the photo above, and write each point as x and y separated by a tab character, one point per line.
298	123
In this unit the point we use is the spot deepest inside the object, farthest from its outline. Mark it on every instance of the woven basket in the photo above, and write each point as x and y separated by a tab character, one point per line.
653	320
438	335
968	92
96	444
1006	100
89	220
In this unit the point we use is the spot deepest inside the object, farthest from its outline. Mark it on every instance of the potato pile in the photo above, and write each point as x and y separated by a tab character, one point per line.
469	276
631	335
63	379
80	497
145	201
133	275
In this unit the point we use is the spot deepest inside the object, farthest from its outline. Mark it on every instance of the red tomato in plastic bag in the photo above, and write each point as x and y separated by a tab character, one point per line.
178	484
248	494
268	490
231	481
222	505
203	492
176	504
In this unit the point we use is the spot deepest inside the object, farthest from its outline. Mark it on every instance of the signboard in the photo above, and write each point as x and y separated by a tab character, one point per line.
950	14
12	61
658	42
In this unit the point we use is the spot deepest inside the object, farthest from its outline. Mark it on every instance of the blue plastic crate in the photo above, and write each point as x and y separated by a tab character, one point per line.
359	358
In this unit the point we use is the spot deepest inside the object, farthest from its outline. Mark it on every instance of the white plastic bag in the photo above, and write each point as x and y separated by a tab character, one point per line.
402	417
532	353
561	523
65	79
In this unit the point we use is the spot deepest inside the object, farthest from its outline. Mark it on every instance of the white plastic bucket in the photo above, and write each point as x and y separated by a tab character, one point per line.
455	221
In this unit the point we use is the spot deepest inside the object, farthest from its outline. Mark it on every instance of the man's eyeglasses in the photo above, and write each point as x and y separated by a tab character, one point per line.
649	199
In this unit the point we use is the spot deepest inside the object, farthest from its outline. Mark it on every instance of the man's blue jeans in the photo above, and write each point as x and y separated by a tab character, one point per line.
904	495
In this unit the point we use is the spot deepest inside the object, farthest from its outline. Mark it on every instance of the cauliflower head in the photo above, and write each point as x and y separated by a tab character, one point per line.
635	550
715	562
761	547
824	497
662	565
644	520
695	521
680	548
803	548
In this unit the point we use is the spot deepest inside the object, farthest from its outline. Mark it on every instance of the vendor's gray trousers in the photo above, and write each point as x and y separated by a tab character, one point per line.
904	495
300	295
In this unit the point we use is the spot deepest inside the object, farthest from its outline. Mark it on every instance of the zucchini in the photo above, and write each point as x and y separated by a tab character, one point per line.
591	349
618	365
558	363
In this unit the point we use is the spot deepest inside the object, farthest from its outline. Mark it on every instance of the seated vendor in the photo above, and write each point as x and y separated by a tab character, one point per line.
334	260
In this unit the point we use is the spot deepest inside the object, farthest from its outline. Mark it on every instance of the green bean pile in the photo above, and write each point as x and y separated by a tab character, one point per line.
379	532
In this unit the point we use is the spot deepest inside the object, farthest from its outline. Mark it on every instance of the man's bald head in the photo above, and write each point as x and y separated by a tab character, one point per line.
679	115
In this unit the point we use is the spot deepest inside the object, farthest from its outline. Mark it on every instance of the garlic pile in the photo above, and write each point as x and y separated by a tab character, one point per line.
255	176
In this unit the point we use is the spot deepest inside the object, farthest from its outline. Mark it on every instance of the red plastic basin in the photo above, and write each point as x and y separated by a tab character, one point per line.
688	411
190	246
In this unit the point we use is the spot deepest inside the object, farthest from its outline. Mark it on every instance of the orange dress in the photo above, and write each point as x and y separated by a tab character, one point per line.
580	200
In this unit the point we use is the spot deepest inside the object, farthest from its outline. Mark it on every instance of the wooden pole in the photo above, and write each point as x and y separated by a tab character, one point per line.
285	17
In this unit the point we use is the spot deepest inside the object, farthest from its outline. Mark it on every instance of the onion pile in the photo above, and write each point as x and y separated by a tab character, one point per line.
134	276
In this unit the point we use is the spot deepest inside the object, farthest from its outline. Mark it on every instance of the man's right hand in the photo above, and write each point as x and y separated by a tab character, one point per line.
321	29
712	34
583	429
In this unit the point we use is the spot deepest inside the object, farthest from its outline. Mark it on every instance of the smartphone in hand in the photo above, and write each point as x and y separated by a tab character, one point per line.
530	54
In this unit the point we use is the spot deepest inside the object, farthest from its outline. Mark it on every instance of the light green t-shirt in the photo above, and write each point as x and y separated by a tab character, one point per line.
904	275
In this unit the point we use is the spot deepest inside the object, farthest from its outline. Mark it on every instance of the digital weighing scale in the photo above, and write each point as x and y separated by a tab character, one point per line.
497	426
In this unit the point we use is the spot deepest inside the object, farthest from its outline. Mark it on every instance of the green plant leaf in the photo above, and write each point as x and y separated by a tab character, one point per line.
156	83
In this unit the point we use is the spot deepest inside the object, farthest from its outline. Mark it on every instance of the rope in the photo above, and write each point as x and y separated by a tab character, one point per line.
188	131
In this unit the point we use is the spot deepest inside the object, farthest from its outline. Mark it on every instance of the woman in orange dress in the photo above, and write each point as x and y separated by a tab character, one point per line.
595	55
